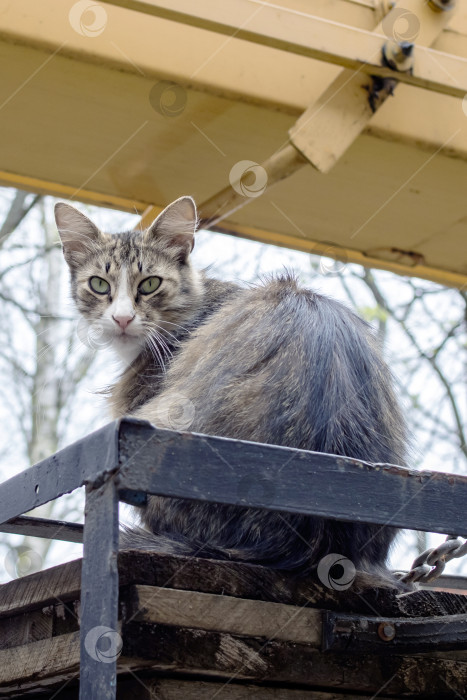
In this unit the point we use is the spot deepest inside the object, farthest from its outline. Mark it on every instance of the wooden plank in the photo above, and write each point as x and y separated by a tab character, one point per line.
167	463
342	632
247	658
43	623
162	648
26	628
166	649
46	663
224	614
61	584
57	657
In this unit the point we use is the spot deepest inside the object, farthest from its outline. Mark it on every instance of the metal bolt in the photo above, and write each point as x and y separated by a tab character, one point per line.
386	631
442	5
398	55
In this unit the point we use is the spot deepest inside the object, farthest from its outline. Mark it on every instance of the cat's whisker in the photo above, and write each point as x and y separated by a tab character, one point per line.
154	326
154	337
177	325
150	347
170	323
155	351
161	328
165	346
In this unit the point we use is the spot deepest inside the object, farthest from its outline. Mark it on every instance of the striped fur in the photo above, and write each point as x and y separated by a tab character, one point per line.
271	363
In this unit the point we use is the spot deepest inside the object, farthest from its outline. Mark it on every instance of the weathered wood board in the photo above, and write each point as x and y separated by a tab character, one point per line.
62	583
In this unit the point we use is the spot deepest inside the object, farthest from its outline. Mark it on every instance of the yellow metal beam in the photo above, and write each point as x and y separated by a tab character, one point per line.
313	37
239	70
76	111
56	189
326	129
332	123
349	255
445	277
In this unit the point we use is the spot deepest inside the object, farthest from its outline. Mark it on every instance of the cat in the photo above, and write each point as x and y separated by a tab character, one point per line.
272	363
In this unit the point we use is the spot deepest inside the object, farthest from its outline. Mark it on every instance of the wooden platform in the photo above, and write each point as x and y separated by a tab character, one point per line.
194	628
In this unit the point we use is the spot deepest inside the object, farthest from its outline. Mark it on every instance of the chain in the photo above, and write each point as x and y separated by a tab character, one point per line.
430	563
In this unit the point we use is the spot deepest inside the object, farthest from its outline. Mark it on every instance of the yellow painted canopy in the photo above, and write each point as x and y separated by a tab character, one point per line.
133	103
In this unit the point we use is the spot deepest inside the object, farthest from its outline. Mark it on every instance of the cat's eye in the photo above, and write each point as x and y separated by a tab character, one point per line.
149	285
99	285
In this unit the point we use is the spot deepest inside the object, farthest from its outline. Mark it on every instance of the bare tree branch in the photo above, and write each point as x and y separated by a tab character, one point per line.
431	359
18	211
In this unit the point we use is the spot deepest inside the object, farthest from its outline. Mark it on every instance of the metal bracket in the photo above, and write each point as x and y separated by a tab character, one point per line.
398	55
378	635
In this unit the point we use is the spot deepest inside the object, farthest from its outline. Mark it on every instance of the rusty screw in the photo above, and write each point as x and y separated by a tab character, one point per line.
386	631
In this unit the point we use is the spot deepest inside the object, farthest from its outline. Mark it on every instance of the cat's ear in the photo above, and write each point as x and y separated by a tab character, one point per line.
175	227
78	234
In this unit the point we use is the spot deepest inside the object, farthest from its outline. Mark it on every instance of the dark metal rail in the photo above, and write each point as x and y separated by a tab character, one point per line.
129	458
44	527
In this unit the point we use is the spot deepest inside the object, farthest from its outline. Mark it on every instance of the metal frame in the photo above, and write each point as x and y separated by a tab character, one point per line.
129	458
368	635
306	35
331	124
277	41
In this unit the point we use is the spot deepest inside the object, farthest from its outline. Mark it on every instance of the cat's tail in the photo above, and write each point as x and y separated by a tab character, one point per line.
136	538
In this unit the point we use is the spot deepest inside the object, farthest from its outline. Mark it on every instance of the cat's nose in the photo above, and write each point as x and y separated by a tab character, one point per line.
123	321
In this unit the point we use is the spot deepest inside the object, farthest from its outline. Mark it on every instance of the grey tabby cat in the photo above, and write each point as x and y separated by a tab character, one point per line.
272	363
